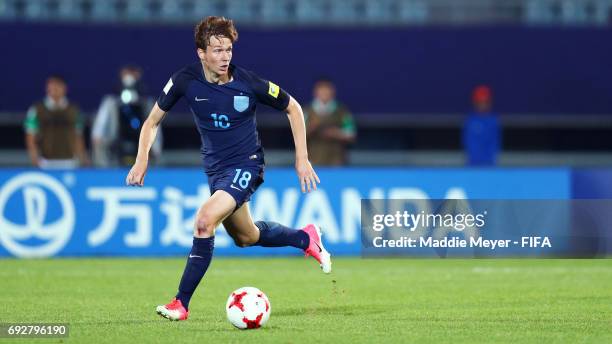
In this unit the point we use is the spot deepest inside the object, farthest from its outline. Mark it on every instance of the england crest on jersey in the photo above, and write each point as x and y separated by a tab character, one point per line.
241	103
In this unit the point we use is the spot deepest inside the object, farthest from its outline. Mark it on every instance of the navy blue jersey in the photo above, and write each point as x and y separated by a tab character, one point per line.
224	114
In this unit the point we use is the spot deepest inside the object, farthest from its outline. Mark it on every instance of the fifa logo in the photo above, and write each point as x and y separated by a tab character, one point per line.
37	215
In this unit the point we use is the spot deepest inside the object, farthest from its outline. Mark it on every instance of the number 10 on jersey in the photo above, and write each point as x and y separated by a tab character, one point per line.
221	121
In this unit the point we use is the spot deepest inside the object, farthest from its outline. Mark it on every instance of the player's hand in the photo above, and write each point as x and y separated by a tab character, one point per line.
307	175
136	175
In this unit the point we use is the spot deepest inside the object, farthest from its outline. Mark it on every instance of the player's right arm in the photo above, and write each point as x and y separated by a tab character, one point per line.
147	137
171	93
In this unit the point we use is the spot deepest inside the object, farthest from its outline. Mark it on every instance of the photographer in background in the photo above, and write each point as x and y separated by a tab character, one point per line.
330	126
54	130
116	127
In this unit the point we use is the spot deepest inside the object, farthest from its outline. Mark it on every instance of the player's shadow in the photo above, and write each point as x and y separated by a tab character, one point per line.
230	328
346	310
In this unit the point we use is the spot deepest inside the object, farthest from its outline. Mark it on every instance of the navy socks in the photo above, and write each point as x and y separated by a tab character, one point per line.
197	264
272	234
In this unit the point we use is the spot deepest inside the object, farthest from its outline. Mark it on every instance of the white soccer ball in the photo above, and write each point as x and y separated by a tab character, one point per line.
248	307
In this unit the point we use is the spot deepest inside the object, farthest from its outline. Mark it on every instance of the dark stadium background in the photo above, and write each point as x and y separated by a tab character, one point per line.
551	82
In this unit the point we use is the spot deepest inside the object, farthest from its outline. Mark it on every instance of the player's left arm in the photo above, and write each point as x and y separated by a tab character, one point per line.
272	95
306	174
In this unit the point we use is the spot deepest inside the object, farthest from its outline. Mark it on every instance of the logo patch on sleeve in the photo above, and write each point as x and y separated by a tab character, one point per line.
273	89
168	86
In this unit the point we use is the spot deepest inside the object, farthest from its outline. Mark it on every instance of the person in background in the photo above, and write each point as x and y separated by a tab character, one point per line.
481	131
116	127
54	130
330	126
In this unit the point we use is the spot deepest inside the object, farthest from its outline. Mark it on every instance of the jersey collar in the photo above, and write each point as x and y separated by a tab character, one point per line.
230	69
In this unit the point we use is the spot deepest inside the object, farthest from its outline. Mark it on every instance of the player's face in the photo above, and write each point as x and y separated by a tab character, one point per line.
217	55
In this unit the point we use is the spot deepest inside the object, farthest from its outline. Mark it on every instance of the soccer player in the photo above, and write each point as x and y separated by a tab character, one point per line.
223	99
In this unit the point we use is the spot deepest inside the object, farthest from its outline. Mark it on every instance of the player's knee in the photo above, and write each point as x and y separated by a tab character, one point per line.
244	240
205	224
240	243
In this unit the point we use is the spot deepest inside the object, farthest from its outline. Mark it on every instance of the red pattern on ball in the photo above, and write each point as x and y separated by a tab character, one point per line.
237	301
253	323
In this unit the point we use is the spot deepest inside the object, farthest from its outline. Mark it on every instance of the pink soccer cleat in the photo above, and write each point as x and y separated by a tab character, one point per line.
316	249
173	311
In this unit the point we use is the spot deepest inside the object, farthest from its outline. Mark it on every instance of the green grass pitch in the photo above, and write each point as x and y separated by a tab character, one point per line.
363	300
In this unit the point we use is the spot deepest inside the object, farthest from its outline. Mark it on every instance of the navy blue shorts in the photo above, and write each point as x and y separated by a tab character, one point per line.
240	182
